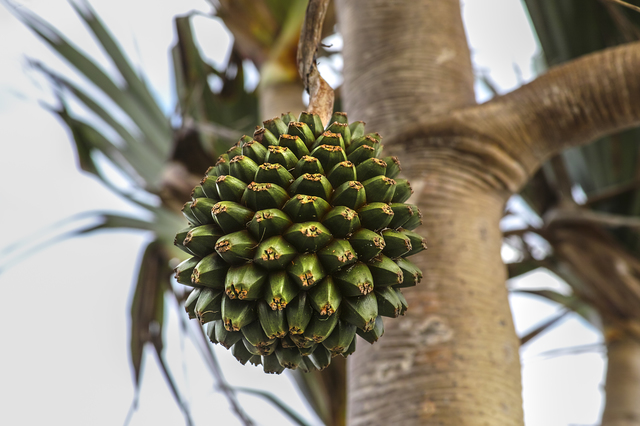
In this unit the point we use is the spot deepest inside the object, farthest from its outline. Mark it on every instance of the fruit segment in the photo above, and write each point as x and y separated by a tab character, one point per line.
300	236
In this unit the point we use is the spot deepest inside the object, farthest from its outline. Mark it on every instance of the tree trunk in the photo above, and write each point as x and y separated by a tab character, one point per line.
276	99
453	360
623	376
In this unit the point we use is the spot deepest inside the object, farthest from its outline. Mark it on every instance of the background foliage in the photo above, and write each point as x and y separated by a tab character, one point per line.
124	138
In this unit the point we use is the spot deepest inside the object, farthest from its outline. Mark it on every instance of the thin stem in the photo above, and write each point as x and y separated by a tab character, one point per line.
224	386
574	216
614	191
625	4
321	95
563	181
172	385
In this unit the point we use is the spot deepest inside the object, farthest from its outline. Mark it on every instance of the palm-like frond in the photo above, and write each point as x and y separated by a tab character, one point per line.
159	163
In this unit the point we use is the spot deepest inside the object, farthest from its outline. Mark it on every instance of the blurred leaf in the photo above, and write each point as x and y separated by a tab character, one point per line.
520	268
201	108
147	306
282	64
566	30
172	386
545	326
206	350
87	140
554	296
326	391
539	194
253	25
146	161
147	318
573	350
133	82
152	156
573	28
112	221
288	411
133	106
571	302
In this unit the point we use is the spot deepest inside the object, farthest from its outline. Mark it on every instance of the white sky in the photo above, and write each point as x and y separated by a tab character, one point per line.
64	309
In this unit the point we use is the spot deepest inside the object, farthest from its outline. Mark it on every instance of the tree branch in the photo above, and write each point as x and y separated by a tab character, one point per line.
578	215
573	104
613	191
321	95
563	184
625	4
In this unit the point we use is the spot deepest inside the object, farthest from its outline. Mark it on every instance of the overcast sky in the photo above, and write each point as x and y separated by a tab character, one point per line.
64	309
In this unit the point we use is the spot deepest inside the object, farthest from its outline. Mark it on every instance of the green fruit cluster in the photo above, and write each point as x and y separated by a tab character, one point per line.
300	237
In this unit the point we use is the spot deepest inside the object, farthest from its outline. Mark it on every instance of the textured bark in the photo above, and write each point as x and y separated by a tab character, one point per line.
453	360
405	61
407	72
623	376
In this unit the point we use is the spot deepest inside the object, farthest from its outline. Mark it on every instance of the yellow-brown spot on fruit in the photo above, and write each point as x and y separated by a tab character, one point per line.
311	231
315	177
349	214
327	310
379	242
278	304
277	149
263	216
188	238
270	254
331	148
306	199
257	187
223	246
365	288
218	208
307	279
347	256
270	166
